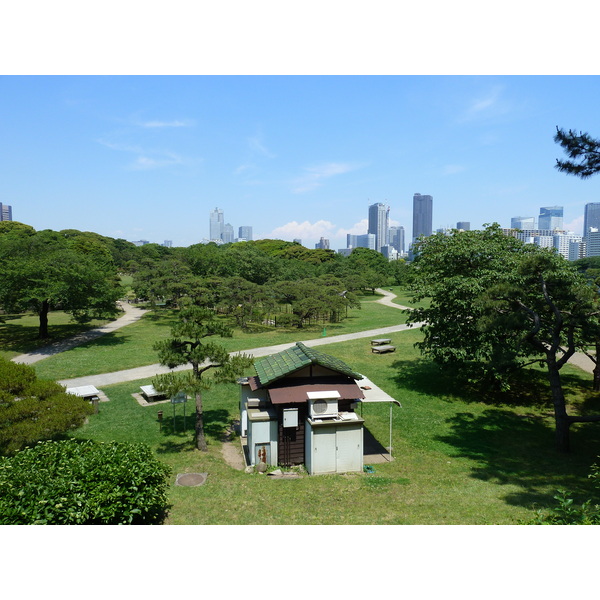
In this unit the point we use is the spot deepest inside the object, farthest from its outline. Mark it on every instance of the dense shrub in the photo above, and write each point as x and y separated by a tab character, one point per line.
566	512
72	482
34	409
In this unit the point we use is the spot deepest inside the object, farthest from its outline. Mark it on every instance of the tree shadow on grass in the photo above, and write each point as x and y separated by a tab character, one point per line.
509	448
528	387
512	441
216	424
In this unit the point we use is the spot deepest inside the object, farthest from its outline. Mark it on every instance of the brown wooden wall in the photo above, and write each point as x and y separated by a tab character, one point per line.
291	439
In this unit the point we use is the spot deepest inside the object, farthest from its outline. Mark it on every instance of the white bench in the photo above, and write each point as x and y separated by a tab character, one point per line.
382	349
150	393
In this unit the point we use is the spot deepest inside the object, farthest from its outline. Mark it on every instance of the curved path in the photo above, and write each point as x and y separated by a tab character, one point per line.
149	371
131	315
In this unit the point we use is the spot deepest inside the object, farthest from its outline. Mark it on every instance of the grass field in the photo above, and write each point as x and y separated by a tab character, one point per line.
18	333
132	346
457	460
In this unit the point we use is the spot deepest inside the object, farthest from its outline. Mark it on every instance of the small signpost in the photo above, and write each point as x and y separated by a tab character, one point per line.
180	397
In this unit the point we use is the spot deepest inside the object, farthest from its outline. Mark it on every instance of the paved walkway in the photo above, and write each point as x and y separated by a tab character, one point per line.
131	315
149	371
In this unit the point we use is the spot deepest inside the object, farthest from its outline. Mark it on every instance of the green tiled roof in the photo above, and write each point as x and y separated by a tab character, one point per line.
276	366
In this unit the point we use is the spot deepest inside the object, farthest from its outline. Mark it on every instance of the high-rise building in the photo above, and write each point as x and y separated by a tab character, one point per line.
168	243
551	217
591	217
366	240
522	223
323	244
464	225
245	233
216	224
396	235
227	235
5	212
379	216
422	216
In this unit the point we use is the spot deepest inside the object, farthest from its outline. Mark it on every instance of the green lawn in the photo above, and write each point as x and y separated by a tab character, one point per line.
132	346
458	460
18	333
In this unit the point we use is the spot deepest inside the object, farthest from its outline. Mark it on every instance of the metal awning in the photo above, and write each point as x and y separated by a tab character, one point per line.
373	393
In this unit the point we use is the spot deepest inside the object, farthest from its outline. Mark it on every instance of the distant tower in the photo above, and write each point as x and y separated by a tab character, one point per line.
227	235
397	238
323	244
522	223
379	223
422	215
216	224
464	225
551	217
591	217
245	233
5	212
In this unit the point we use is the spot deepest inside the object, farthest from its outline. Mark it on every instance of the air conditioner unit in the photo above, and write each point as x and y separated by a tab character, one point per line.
324	407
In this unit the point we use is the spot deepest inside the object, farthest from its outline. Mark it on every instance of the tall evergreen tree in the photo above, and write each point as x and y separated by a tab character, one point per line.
582	149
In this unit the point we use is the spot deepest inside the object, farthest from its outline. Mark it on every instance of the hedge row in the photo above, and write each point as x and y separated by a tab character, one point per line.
72	482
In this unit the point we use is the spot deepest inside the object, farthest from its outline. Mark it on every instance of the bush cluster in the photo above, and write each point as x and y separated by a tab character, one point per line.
34	409
73	482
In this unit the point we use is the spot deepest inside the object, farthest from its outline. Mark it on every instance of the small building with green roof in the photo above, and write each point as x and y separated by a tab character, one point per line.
299	408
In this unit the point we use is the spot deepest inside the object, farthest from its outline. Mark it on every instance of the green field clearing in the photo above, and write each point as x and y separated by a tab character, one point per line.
457	460
132	346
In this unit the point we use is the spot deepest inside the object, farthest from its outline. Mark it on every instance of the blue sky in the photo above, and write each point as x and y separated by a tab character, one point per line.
147	157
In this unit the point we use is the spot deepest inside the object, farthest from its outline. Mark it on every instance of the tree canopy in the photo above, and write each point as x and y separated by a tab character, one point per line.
583	151
189	344
46	270
497	305
34	409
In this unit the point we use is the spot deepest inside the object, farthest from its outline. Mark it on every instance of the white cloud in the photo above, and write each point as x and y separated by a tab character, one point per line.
258	146
452	169
316	175
486	105
161	124
359	228
145	163
303	231
575	225
148	159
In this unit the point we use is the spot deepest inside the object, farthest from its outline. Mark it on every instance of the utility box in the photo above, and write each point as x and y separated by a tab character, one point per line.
290	417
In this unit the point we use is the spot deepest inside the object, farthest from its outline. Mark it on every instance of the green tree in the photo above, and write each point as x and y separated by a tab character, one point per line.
582	150
497	305
32	410
189	344
45	270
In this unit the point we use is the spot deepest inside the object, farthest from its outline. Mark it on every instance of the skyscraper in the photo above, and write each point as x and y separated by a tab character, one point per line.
216	224
464	225
422	216
591	217
227	235
522	223
5	212
245	233
397	238
379	224
551	217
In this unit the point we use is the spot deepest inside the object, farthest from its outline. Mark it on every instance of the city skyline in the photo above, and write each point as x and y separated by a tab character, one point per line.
296	157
